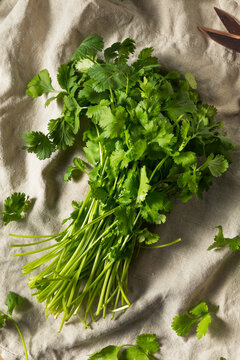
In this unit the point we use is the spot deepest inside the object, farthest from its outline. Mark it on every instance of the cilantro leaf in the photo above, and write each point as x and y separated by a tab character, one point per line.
203	324
144	186
39	144
182	324
148	343
88	47
199	314
221	241
84	64
108	353
147	237
218	165
61	133
133	353
191	80
107	76
13	300
185	159
40	84
66	77
14	206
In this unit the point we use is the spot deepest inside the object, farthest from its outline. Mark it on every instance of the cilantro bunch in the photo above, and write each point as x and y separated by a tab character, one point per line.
150	141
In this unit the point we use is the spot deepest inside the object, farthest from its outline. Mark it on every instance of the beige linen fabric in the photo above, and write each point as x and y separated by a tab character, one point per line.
38	34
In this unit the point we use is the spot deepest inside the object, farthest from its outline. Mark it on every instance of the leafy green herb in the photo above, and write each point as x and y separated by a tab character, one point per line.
150	141
146	346
220	241
14	206
199	314
12	301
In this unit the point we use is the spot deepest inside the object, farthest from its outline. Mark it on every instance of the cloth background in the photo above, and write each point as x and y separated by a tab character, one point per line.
38	34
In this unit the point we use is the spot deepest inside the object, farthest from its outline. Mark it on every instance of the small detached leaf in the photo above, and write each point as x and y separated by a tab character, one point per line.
218	165
199	314
12	301
14	206
191	80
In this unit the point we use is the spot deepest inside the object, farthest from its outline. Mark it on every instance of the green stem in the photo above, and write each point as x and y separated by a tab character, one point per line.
159	165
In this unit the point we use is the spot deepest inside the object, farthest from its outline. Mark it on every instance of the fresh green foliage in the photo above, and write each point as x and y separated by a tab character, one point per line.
40	84
220	241
14	207
12	301
146	346
150	141
199	314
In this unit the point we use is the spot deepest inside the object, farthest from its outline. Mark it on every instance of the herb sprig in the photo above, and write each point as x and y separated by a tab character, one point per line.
150	141
12	301
14	207
199	314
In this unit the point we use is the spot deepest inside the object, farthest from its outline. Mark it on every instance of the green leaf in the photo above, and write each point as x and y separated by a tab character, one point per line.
185	159
14	205
147	237
100	193
144	186
89	47
133	353
108	353
68	173
39	144
40	84
203	325
221	241
92	152
218	165
191	80
3	319
182	324
84	64
66	77
199	309
108	76
61	133
13	300
148	343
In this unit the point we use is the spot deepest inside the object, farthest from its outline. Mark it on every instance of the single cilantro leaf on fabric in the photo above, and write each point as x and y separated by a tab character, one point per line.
218	165
3	319
108	353
144	186
39	144
133	353
14	206
13	300
148	343
191	80
199	309
147	237
182	324
199	314
88	47
203	324
221	241
40	84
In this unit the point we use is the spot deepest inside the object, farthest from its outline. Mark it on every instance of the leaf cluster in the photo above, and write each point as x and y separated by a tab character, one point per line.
14	207
146	346
199	314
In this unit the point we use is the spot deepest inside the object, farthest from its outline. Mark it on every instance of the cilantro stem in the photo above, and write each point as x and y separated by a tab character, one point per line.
161	246
159	165
19	331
